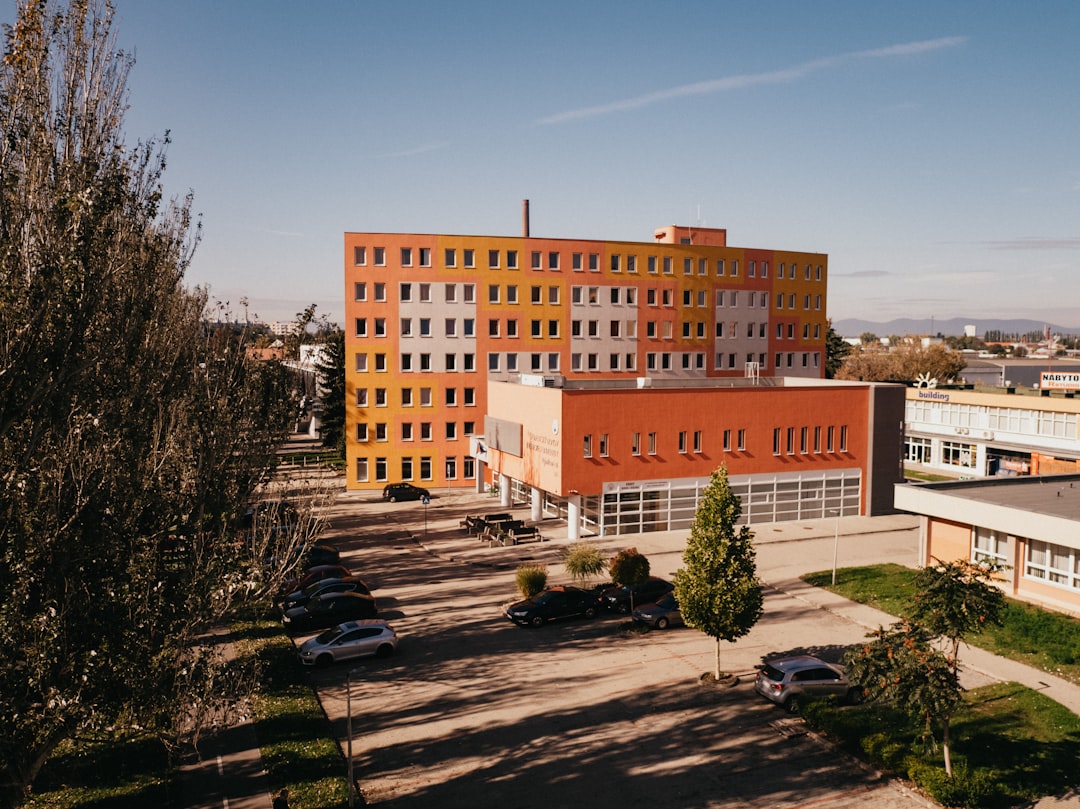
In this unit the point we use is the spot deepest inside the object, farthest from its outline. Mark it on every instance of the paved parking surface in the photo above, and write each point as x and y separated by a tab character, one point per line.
477	712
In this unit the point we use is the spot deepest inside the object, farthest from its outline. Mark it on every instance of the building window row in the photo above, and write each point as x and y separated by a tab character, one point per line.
423	396
410	466
1057	564
616	361
512	362
808	440
412	431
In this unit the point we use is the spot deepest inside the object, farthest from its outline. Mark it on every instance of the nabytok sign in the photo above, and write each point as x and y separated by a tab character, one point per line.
1057	380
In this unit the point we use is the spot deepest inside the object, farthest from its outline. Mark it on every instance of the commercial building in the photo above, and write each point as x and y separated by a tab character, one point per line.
1029	525
970	433
442	331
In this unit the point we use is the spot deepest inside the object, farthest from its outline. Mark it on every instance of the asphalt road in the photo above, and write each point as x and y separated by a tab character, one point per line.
476	712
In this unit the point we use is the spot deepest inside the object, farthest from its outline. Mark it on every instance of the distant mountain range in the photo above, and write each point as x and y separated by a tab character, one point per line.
853	327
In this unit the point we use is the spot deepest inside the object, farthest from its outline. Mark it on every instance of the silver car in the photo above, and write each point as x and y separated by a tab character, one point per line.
789	681
348	640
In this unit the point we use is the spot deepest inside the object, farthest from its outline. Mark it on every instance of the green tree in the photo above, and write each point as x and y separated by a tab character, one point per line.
836	351
132	433
583	560
903	363
952	601
718	589
629	568
331	373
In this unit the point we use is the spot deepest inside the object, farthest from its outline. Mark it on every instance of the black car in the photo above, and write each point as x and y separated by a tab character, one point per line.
552	604
330	609
312	575
617	599
349	584
396	492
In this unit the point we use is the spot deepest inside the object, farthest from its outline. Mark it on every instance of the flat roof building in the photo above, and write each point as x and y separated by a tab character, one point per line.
1028	525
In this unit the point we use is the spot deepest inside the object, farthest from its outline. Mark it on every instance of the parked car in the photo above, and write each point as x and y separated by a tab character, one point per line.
618	598
552	604
330	609
298	598
348	640
322	553
661	614
790	681
312	575
403	491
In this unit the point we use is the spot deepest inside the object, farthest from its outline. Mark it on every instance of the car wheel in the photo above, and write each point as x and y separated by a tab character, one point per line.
324	660
661	623
792	704
384	651
590	612
537	620
392	499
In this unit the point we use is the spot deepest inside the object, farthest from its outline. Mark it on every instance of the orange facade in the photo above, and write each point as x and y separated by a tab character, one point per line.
429	319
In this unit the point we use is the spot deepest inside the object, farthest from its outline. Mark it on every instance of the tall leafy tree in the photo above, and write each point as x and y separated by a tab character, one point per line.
629	568
836	351
718	590
131	434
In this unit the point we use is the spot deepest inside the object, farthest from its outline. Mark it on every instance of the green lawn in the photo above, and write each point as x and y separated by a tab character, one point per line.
1046	640
1009	745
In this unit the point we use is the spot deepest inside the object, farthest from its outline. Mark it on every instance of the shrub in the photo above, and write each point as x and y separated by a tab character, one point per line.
531	579
969	788
583	560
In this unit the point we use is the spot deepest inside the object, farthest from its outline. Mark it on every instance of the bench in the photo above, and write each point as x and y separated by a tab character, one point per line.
526	534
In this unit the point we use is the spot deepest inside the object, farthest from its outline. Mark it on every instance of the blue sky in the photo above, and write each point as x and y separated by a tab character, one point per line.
931	149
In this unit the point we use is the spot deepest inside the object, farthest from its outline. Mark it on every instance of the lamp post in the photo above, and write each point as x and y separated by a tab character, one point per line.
835	547
348	731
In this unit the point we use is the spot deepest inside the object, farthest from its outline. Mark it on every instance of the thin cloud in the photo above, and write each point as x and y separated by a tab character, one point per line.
1035	244
428	147
745	80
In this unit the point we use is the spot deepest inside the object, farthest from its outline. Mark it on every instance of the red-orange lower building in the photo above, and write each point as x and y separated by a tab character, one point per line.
634	456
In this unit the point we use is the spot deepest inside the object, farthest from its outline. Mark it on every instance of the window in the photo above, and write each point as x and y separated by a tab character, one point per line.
361	470
537	260
360	291
588	446
380	397
536	294
616	262
425	397
425	256
450	257
804	440
468	468
468	427
776	441
652	443
1058	564
380	256
990	547
553	296
450	293
425	362
468	362
361	327
511	259
493	327
450	327
380	469
451	431
380	291
682	442
742	439
697	440
494	361
631	263
451	362
535	330
511	293
830	439
406	256
406	468
719	267
451	468
635	444
594	262
843	438
511	327
493	259
425	431
817	440
553	329
406	397
603	445
361	432
425	468
359	256
361	397
468	327
406	363
575	261
688	266
469	257
469	395
406	431
790	440
380	431
425	293
468	293
380	362
536	364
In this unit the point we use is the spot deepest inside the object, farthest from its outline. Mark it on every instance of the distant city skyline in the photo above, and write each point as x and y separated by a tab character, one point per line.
928	148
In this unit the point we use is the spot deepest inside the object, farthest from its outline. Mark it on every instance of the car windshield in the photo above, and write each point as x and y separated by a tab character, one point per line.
328	636
772	673
667	602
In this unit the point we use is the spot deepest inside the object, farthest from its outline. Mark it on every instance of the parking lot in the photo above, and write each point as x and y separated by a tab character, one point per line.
474	711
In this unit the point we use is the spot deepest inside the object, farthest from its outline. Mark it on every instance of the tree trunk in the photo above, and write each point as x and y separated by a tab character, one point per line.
945	749
718	673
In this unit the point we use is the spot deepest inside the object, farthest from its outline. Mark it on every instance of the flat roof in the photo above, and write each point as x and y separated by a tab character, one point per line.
1050	495
689	383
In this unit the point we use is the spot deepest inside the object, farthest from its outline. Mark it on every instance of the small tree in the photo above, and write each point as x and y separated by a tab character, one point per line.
629	569
331	372
718	590
954	599
583	561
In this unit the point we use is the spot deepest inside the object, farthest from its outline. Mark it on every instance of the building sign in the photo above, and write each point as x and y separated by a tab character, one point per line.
932	395
1058	380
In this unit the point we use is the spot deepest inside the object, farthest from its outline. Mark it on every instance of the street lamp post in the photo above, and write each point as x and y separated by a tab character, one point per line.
348	731
835	547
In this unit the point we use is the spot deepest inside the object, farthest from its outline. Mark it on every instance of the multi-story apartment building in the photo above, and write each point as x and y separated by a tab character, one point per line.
431	318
